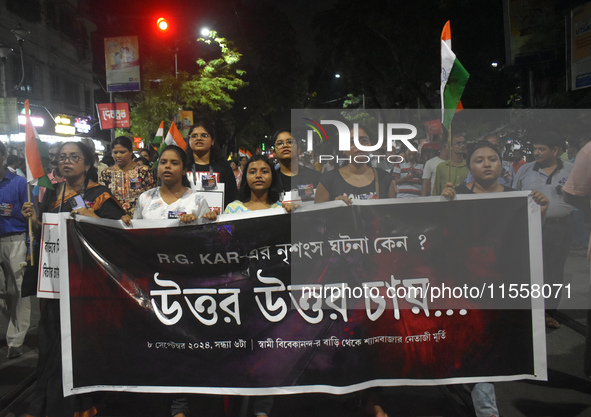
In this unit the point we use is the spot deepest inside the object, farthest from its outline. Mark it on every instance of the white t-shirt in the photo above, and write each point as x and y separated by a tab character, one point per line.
151	206
430	168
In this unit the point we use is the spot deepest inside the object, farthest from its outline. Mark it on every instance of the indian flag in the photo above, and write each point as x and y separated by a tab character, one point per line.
35	154
453	79
174	137
159	135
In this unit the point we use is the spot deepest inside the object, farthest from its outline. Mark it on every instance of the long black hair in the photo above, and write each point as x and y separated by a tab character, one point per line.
182	156
272	194
215	153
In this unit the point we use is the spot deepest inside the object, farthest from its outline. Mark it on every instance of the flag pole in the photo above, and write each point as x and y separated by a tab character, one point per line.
449	152
30	226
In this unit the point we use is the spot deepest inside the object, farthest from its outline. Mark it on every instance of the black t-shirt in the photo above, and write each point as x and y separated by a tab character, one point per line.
224	175
306	176
336	185
463	189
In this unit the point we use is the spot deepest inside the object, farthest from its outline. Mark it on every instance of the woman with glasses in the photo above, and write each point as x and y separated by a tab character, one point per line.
206	165
77	195
292	176
127	180
357	179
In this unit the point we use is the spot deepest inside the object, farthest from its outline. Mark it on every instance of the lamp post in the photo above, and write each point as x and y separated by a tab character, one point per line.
20	33
4	52
205	32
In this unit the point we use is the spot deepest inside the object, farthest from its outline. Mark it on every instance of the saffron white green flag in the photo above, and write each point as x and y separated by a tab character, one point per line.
453	79
173	137
36	156
159	135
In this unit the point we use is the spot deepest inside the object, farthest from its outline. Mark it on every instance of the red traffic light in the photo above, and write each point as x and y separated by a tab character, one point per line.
162	24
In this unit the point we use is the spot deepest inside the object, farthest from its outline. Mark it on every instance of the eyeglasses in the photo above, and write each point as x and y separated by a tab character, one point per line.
73	158
281	144
363	140
200	135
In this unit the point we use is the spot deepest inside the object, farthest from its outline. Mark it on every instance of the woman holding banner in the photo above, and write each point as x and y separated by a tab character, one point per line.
78	195
174	199
206	165
259	189
357	179
127	180
485	163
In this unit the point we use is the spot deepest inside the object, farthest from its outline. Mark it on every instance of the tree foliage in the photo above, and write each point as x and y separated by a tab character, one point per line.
213	85
164	95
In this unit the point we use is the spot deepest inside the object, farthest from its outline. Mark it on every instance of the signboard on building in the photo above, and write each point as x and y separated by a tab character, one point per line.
580	51
8	116
64	125
122	63
526	23
82	125
36	120
112	115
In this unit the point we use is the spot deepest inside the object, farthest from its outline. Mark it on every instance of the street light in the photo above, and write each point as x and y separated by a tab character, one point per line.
20	33
204	32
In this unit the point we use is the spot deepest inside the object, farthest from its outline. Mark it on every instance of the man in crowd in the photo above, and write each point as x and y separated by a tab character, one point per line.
13	252
13	164
408	175
431	166
547	174
54	176
457	161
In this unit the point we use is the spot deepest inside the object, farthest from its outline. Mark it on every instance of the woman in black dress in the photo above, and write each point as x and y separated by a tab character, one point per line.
77	195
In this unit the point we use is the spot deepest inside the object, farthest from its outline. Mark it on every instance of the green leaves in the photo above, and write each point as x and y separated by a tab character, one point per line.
211	89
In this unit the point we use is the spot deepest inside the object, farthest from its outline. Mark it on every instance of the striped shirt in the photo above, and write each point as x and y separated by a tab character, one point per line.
413	185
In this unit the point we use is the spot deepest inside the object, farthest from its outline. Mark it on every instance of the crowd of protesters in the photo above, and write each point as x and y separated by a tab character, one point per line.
173	185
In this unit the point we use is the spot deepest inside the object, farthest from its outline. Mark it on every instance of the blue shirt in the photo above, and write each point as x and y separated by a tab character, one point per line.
13	193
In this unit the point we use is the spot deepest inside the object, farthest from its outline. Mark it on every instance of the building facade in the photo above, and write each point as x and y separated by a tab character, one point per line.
51	66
